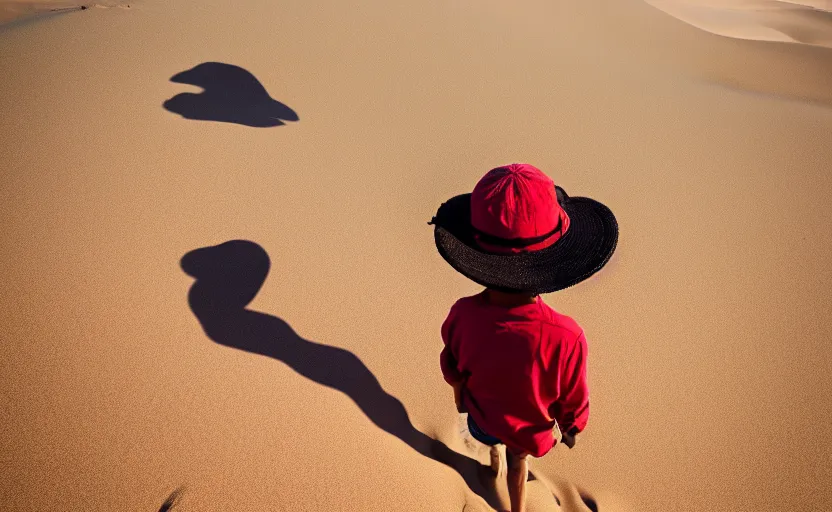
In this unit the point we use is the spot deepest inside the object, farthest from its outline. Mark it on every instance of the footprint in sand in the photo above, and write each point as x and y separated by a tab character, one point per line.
109	5
541	491
83	7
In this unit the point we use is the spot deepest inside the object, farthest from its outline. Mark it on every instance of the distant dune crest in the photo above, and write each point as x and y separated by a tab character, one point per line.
13	9
807	22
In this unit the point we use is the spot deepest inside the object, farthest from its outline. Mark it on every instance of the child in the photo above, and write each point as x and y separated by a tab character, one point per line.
518	367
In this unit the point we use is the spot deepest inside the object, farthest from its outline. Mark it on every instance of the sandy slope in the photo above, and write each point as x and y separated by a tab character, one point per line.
709	367
24	9
808	22
13	9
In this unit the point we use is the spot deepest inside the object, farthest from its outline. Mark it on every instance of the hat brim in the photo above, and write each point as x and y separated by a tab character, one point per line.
585	248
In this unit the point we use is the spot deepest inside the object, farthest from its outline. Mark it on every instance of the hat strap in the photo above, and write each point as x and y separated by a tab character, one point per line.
515	243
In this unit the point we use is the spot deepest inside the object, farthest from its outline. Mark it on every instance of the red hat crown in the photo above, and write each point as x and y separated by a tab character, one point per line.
515	209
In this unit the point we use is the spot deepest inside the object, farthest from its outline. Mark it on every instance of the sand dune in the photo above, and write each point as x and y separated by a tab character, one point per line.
14	9
807	22
24	9
324	135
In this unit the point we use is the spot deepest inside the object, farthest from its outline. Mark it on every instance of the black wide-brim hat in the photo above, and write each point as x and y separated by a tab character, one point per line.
582	251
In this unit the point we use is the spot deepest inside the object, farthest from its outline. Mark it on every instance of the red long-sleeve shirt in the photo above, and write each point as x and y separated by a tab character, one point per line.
524	370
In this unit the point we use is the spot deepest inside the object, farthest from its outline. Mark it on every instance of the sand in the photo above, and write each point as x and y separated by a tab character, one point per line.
709	369
27	10
807	22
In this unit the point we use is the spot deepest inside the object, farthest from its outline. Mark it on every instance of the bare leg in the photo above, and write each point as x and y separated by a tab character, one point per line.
518	473
498	464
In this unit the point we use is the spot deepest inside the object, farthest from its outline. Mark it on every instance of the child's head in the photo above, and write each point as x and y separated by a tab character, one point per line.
515	209
513	298
517	231
511	293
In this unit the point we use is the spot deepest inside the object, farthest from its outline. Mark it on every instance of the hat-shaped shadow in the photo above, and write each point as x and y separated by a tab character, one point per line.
231	95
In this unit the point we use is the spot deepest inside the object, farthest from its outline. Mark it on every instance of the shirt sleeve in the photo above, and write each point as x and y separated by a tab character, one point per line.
572	408
447	361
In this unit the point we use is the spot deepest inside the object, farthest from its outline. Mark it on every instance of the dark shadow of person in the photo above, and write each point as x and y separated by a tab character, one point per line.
229	275
231	95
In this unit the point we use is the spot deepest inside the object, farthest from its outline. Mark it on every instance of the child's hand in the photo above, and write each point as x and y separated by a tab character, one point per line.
570	438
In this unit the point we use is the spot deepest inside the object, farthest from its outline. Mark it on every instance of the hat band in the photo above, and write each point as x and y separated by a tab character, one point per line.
515	244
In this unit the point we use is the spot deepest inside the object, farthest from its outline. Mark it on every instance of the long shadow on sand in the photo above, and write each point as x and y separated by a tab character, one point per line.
229	275
231	95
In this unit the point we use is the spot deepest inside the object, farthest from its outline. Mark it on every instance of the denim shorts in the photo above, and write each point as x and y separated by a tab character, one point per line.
480	434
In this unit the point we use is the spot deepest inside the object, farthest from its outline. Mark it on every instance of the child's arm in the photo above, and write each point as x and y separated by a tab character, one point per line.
452	376
448	363
459	387
572	409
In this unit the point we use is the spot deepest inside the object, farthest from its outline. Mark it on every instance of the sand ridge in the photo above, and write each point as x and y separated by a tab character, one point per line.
15	9
806	22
